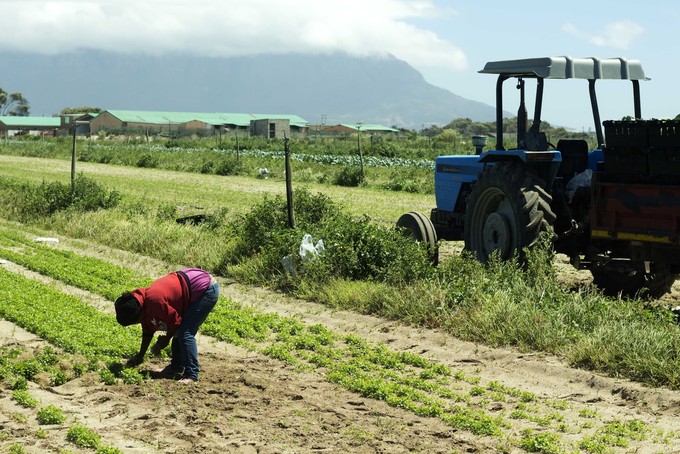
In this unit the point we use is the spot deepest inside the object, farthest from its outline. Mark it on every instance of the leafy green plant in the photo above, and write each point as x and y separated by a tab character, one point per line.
545	443
63	320
48	356
82	437
131	376
23	398
16	382
50	415
105	449
107	377
16	448
28	368
58	378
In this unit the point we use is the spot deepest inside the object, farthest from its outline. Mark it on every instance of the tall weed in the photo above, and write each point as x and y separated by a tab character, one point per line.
29	201
355	249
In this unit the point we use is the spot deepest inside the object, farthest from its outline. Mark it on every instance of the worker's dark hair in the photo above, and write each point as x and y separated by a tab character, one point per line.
127	309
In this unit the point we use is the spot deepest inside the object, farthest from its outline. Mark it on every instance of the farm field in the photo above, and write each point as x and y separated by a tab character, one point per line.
250	401
279	374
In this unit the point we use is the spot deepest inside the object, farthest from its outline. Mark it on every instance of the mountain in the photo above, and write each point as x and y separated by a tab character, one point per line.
338	88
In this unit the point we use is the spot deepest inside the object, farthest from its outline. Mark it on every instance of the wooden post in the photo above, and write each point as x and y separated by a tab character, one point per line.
361	155
289	184
73	162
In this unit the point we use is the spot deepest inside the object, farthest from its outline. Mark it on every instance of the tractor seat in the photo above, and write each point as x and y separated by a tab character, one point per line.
574	157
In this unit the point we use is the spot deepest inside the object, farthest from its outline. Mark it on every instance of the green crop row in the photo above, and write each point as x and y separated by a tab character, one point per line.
87	273
401	379
63	320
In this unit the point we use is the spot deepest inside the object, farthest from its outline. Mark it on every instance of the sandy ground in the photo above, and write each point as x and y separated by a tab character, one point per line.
248	403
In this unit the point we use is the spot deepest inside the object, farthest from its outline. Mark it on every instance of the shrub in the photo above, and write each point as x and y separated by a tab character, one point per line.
356	249
47	198
349	176
228	166
147	161
90	196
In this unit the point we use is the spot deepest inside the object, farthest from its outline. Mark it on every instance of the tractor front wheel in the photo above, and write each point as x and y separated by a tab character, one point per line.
419	227
506	211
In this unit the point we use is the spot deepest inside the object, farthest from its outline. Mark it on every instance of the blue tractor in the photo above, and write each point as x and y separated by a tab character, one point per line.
614	210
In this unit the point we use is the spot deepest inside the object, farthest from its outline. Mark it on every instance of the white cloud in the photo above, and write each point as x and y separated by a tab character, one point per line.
228	27
617	35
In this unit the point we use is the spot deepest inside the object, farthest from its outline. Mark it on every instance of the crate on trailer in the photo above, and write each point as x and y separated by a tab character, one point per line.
665	163
626	133
629	164
664	134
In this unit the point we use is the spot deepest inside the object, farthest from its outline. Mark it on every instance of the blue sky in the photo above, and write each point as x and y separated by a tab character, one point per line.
494	30
447	41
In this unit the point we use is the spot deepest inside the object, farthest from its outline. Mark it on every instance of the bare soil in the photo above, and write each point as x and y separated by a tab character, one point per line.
249	403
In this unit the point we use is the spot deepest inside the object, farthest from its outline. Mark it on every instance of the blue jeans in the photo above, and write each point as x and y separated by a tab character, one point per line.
184	350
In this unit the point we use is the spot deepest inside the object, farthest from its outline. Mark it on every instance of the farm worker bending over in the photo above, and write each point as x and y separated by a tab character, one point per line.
177	304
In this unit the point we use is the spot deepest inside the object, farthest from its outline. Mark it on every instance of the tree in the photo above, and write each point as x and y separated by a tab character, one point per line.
13	104
78	110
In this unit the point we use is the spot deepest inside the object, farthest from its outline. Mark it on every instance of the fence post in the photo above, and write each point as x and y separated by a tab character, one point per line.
289	183
73	161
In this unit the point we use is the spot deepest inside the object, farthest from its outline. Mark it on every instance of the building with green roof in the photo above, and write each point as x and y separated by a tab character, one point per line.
178	122
12	123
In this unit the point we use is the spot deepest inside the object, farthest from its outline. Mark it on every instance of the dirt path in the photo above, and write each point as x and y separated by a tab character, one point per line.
248	403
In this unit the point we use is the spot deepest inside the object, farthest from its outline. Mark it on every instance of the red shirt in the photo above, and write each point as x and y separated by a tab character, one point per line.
163	303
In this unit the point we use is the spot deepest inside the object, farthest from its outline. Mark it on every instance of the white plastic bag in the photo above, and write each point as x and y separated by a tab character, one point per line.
581	180
309	250
288	264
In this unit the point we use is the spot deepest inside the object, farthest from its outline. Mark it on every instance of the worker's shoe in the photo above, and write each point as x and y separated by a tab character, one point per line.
187	380
168	372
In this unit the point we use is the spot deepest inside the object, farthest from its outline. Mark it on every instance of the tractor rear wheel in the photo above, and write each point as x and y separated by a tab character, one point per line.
631	283
506	211
419	227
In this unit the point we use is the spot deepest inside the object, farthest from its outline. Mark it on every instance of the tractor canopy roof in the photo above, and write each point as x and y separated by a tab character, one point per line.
568	68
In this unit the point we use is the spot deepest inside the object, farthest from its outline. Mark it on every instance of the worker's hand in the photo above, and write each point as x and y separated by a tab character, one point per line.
160	344
135	360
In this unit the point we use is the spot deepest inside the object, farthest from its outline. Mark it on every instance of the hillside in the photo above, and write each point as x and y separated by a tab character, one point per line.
337	87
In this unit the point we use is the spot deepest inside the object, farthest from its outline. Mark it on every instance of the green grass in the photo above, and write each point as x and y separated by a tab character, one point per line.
212	192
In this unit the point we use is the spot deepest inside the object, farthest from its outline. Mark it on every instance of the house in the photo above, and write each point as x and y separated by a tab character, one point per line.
345	129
